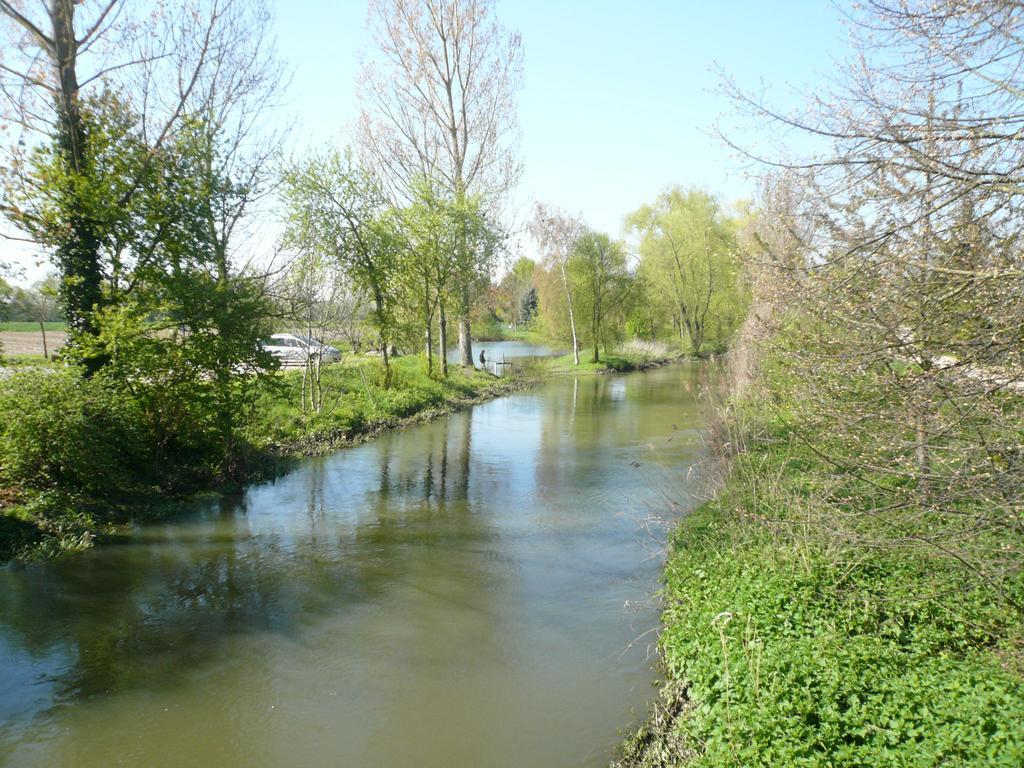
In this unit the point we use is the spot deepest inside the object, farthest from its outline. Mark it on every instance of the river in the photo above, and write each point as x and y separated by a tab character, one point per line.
503	357
475	591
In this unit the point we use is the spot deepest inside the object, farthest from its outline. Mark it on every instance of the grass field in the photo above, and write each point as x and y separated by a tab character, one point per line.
18	326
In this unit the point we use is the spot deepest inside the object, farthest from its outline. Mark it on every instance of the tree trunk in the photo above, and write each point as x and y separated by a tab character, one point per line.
428	335
921	458
305	383
42	330
443	339
465	332
77	255
572	319
379	305
428	338
316	391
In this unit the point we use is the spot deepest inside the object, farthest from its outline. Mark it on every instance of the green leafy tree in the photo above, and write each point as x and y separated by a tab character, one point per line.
689	260
429	265
7	292
178	329
450	244
337	208
88	212
603	285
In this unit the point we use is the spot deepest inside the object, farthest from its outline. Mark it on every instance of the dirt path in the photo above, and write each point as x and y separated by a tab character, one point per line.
30	342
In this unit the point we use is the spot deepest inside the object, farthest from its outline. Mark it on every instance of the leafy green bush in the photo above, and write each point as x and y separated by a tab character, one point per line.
97	446
799	652
58	429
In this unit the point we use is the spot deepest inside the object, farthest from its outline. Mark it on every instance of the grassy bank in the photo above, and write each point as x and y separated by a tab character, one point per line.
78	462
633	356
357	405
501	332
786	644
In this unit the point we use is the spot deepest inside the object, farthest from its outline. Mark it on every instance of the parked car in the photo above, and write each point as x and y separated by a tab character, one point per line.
295	349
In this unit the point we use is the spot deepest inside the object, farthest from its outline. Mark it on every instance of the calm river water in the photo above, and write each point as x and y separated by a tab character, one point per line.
459	594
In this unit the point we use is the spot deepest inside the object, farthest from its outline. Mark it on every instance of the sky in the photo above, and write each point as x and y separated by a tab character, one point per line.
618	97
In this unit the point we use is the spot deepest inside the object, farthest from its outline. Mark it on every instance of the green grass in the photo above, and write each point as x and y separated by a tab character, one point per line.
24	361
793	655
30	327
564	364
501	332
357	404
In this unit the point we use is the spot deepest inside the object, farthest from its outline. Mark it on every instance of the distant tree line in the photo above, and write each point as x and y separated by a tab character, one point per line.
35	304
681	281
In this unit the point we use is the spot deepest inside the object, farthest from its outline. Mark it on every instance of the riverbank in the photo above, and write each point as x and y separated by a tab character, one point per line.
45	520
787	643
359	408
111	488
633	356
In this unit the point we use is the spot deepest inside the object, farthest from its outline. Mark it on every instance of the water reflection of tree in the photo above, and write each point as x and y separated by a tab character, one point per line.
574	425
140	614
132	617
636	415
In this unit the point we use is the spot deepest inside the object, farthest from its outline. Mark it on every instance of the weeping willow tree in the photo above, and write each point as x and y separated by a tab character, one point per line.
690	264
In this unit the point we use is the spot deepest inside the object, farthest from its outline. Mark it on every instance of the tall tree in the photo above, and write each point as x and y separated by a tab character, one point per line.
337	209
428	264
556	233
689	256
438	101
194	63
56	39
600	273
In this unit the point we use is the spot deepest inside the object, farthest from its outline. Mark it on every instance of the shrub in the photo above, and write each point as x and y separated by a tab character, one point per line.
640	352
58	429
